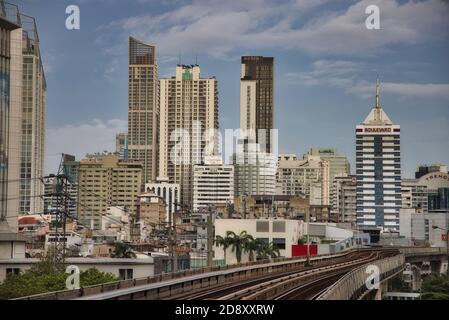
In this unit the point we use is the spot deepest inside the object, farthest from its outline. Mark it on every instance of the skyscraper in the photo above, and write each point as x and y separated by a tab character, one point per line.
378	171
11	64
143	107
34	90
255	163
188	111
257	98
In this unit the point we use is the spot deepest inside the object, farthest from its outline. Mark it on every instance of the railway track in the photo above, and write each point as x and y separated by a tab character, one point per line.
310	280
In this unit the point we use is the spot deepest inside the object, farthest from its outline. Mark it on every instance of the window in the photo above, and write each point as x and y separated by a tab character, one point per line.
11	271
262	226
279	243
125	274
278	226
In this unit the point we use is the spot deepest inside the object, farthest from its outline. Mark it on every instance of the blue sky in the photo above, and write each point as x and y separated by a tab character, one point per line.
326	63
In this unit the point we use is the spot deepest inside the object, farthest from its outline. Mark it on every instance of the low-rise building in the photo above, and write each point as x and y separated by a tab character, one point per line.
282	233
152	211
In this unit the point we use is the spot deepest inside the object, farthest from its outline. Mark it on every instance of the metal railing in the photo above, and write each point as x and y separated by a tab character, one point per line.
353	284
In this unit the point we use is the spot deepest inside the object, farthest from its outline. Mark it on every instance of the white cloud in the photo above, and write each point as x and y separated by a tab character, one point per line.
217	28
346	75
79	139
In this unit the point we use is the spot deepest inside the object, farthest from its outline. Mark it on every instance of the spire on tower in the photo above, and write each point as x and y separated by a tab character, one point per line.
377	93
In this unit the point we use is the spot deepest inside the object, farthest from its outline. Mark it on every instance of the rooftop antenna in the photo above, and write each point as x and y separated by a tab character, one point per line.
377	93
196	59
179	59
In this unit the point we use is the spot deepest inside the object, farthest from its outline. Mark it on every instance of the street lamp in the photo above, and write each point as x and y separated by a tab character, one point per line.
447	245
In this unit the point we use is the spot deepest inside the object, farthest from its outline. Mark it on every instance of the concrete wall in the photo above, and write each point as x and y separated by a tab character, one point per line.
140	268
12	250
293	231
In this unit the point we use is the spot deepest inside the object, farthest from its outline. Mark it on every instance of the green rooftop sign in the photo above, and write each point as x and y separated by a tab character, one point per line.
187	75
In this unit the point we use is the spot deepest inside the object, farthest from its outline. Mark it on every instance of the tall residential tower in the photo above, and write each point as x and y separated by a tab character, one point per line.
11	64
378	171
188	118
34	90
143	107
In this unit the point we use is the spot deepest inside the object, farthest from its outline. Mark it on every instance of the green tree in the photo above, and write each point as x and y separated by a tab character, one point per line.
435	287
123	250
267	250
251	245
33	281
224	242
238	243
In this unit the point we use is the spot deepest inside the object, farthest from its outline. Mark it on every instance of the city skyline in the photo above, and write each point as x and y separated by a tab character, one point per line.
414	83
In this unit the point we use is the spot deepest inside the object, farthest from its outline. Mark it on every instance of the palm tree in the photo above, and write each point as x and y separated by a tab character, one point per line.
238	243
123	250
251	245
267	250
224	242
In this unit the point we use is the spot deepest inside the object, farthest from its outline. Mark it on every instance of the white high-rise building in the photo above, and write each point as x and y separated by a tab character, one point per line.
254	172
378	171
213	183
188	124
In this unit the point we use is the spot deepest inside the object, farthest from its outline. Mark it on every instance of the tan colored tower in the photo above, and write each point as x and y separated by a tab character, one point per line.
107	181
189	108
11	63
143	107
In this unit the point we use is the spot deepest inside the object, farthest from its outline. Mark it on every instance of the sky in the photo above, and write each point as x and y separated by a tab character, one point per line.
326	65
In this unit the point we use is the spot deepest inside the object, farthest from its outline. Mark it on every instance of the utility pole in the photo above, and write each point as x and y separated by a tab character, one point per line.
60	192
210	237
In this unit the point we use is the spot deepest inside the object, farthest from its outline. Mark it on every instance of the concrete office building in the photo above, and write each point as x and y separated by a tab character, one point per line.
425	169
11	65
33	121
254	171
121	145
107	181
338	163
143	109
343	199
188	113
70	169
152	211
429	192
309	177
51	199
419	227
213	184
170	192
378	171
414	195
